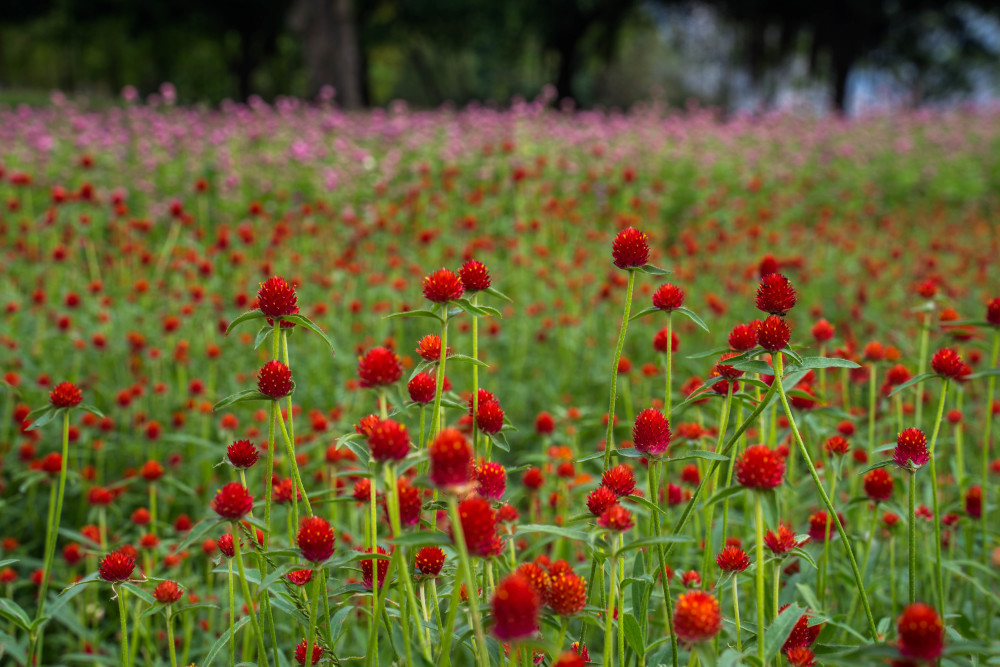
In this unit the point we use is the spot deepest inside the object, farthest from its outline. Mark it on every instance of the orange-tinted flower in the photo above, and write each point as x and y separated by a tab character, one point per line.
65	395
921	632
516	607
442	286
379	367
696	617
760	467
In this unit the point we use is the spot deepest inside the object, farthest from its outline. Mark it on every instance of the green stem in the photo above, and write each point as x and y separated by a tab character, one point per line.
290	450
170	638
706	568
124	619
872	392
475	381
670	353
436	413
444	657
938	572
985	466
609	441
320	578
759	517
373	657
912	520
470	580
404	579
778	372
609	646
736	615
237	552
925	333
232	614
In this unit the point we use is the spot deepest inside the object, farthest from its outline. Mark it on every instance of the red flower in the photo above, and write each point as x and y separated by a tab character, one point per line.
600	499
651	432
743	337
389	441
567	594
620	479
822	331
430	560
315	539
300	653
993	311
974	502
616	518
274	379
450	459
760	467
800	656
232	501
948	364
226	546
782	542
492	478
878	485
366	425
52	463
379	367
410	502
732	559
422	388
366	569
544	424
429	348
475	276
696	617
818	526
65	395
242	454
276	298
362	490
489	418
630	248
443	286
897	375
837	445
167	592
660	341
668	297
117	566
773	334
775	294
507	513
911	449
538	577
300	577
569	659
803	634
479	525
516	606
533	479
921	632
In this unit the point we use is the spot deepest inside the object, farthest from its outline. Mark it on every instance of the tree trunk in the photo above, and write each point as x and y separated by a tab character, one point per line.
331	48
841	69
567	69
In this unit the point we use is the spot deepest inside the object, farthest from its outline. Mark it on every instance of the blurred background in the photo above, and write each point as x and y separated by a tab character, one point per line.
845	55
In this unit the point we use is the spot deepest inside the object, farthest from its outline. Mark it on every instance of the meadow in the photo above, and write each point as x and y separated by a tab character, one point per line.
258	363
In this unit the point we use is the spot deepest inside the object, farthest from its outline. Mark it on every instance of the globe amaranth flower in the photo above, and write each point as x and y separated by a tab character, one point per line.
450	460
242	454
276	298
315	539
800	656
974	502
993	311
492	480
600	499
65	395
569	659
368	571
516	607
668	297
422	388
616	518
775	294
921	632
803	635
760	467
837	445
299	577
226	546
630	249
732	559
300	653
783	541
117	566
475	276
167	592
878	485
822	331
479	525
696	617
948	364
774	334
743	337
429	348
233	501
443	286
567	594
619	479
660	341
379	367
821	525
274	379
911	449
489	417
651	432
389	441
429	561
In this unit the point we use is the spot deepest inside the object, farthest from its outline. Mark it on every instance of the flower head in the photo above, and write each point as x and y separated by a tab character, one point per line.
600	499
783	541
233	501
760	467
800	656
743	337
651	432
442	286
821	526
993	311
911	449
948	364
429	347
117	566
422	388
276	298
450	459
516	607
242	454
974	502
167	592
274	379
775	294
668	297
315	539
379	367
489	417
822	331
878	485
696	617
620	479
479	525
475	276
616	518
921	632
567	594
429	560
65	395
803	635
492	480
732	559
300	653
389	441
630	249
367	570
773	334
226	546
837	445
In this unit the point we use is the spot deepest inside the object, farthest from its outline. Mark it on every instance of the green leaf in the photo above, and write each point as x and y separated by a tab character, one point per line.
807	593
309	324
92	410
222	641
813	363
568	533
702	393
645	311
138	592
777	634
198	531
645	502
360	449
262	335
724	493
690	314
992	372
880	464
420	539
465	359
490	310
12	611
466	306
500	440
804	555
789	352
45	417
651	270
912	382
492	291
245	396
751	366
714	352
769	505
629	452
248	316
633	634
8	561
701	454
415	313
706	654
653	541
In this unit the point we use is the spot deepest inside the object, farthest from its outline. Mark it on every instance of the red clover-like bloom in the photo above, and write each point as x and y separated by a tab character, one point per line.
630	249
948	364
389	441
300	653
921	632
274	379
442	286
479	524
651	432
620	479
567	594
600	499
492	480
430	560
232	501
668	297
117	566
773	334
379	367
475	276
616	518
775	294
450	460
276	298
732	559
242	454
167	592
911	449
65	395
422	388
516	608
696	617
760	467
878	485
315	539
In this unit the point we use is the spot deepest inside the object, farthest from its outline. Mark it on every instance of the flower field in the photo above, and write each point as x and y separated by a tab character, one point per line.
282	385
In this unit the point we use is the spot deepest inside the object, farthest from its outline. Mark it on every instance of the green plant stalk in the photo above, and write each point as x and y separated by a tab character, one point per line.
436	413
776	590
736	614
610	435
872	393
444	658
124	619
826	539
152	505
960	445
779	371
621	605
669	365
925	333
372	657
706	567
404	578
290	438
912	532
271	442
759	519
938	572
609	646
232	612
892	576
170	637
290	450
475	383
317	591
985	467
868	554
37	638
237	552
470	580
